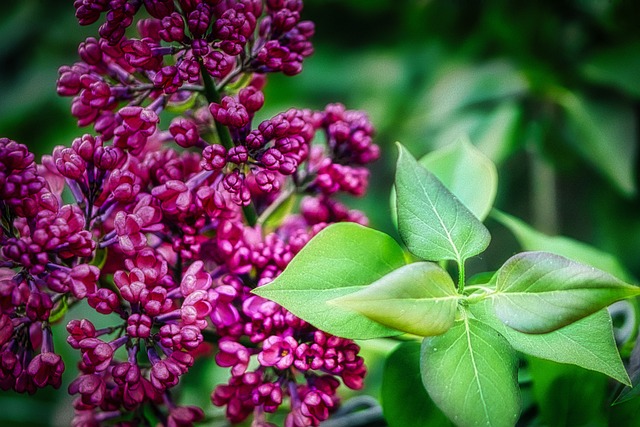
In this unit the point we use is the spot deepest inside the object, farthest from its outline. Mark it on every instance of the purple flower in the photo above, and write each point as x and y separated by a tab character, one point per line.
278	351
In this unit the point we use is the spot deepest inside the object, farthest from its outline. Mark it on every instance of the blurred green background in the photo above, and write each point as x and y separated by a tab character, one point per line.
549	90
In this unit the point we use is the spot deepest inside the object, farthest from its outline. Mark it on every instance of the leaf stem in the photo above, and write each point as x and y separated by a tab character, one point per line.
460	276
212	95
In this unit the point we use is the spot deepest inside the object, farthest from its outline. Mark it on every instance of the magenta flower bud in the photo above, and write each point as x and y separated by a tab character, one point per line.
10	369
271	159
140	54
104	301
174	195
164	374
39	306
184	416
88	11
254	140
69	163
169	79
83	280
214	157
85	146
184	132
46	369
190	337
269	395
233	354
195	279
172	28
230	112
83	112
139	326
195	309
238	155
6	329
159	8
96	354
218	64
79	330
131	286
14	156
155	301
68	83
251	98
97	95
91	388
199	19
267	181
153	266
124	185
200	47
316	405
170	336
108	158
189	69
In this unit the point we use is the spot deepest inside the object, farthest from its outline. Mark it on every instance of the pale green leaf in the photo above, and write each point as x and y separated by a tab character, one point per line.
405	402
467	173
470	372
538	292
588	342
532	240
433	223
341	259
418	298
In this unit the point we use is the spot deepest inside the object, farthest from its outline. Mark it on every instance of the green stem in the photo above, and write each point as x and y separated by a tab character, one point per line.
282	198
212	95
460	276
250	214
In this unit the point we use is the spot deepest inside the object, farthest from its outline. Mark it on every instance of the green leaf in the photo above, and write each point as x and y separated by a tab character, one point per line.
467	173
470	372
605	134
433	223
341	259
59	310
532	240
418	298
405	402
464	85
588	343
539	292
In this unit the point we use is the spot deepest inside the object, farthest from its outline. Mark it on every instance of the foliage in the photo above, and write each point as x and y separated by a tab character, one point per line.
536	302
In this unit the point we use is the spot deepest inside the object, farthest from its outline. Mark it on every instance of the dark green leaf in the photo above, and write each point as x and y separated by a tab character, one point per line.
568	396
405	402
341	259
539	292
433	223
605	134
470	372
618	66
418	298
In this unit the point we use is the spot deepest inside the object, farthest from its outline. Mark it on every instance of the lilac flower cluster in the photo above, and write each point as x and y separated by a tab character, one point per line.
171	227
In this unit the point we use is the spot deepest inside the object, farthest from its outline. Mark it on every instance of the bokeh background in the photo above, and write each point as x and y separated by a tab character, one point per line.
548	89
